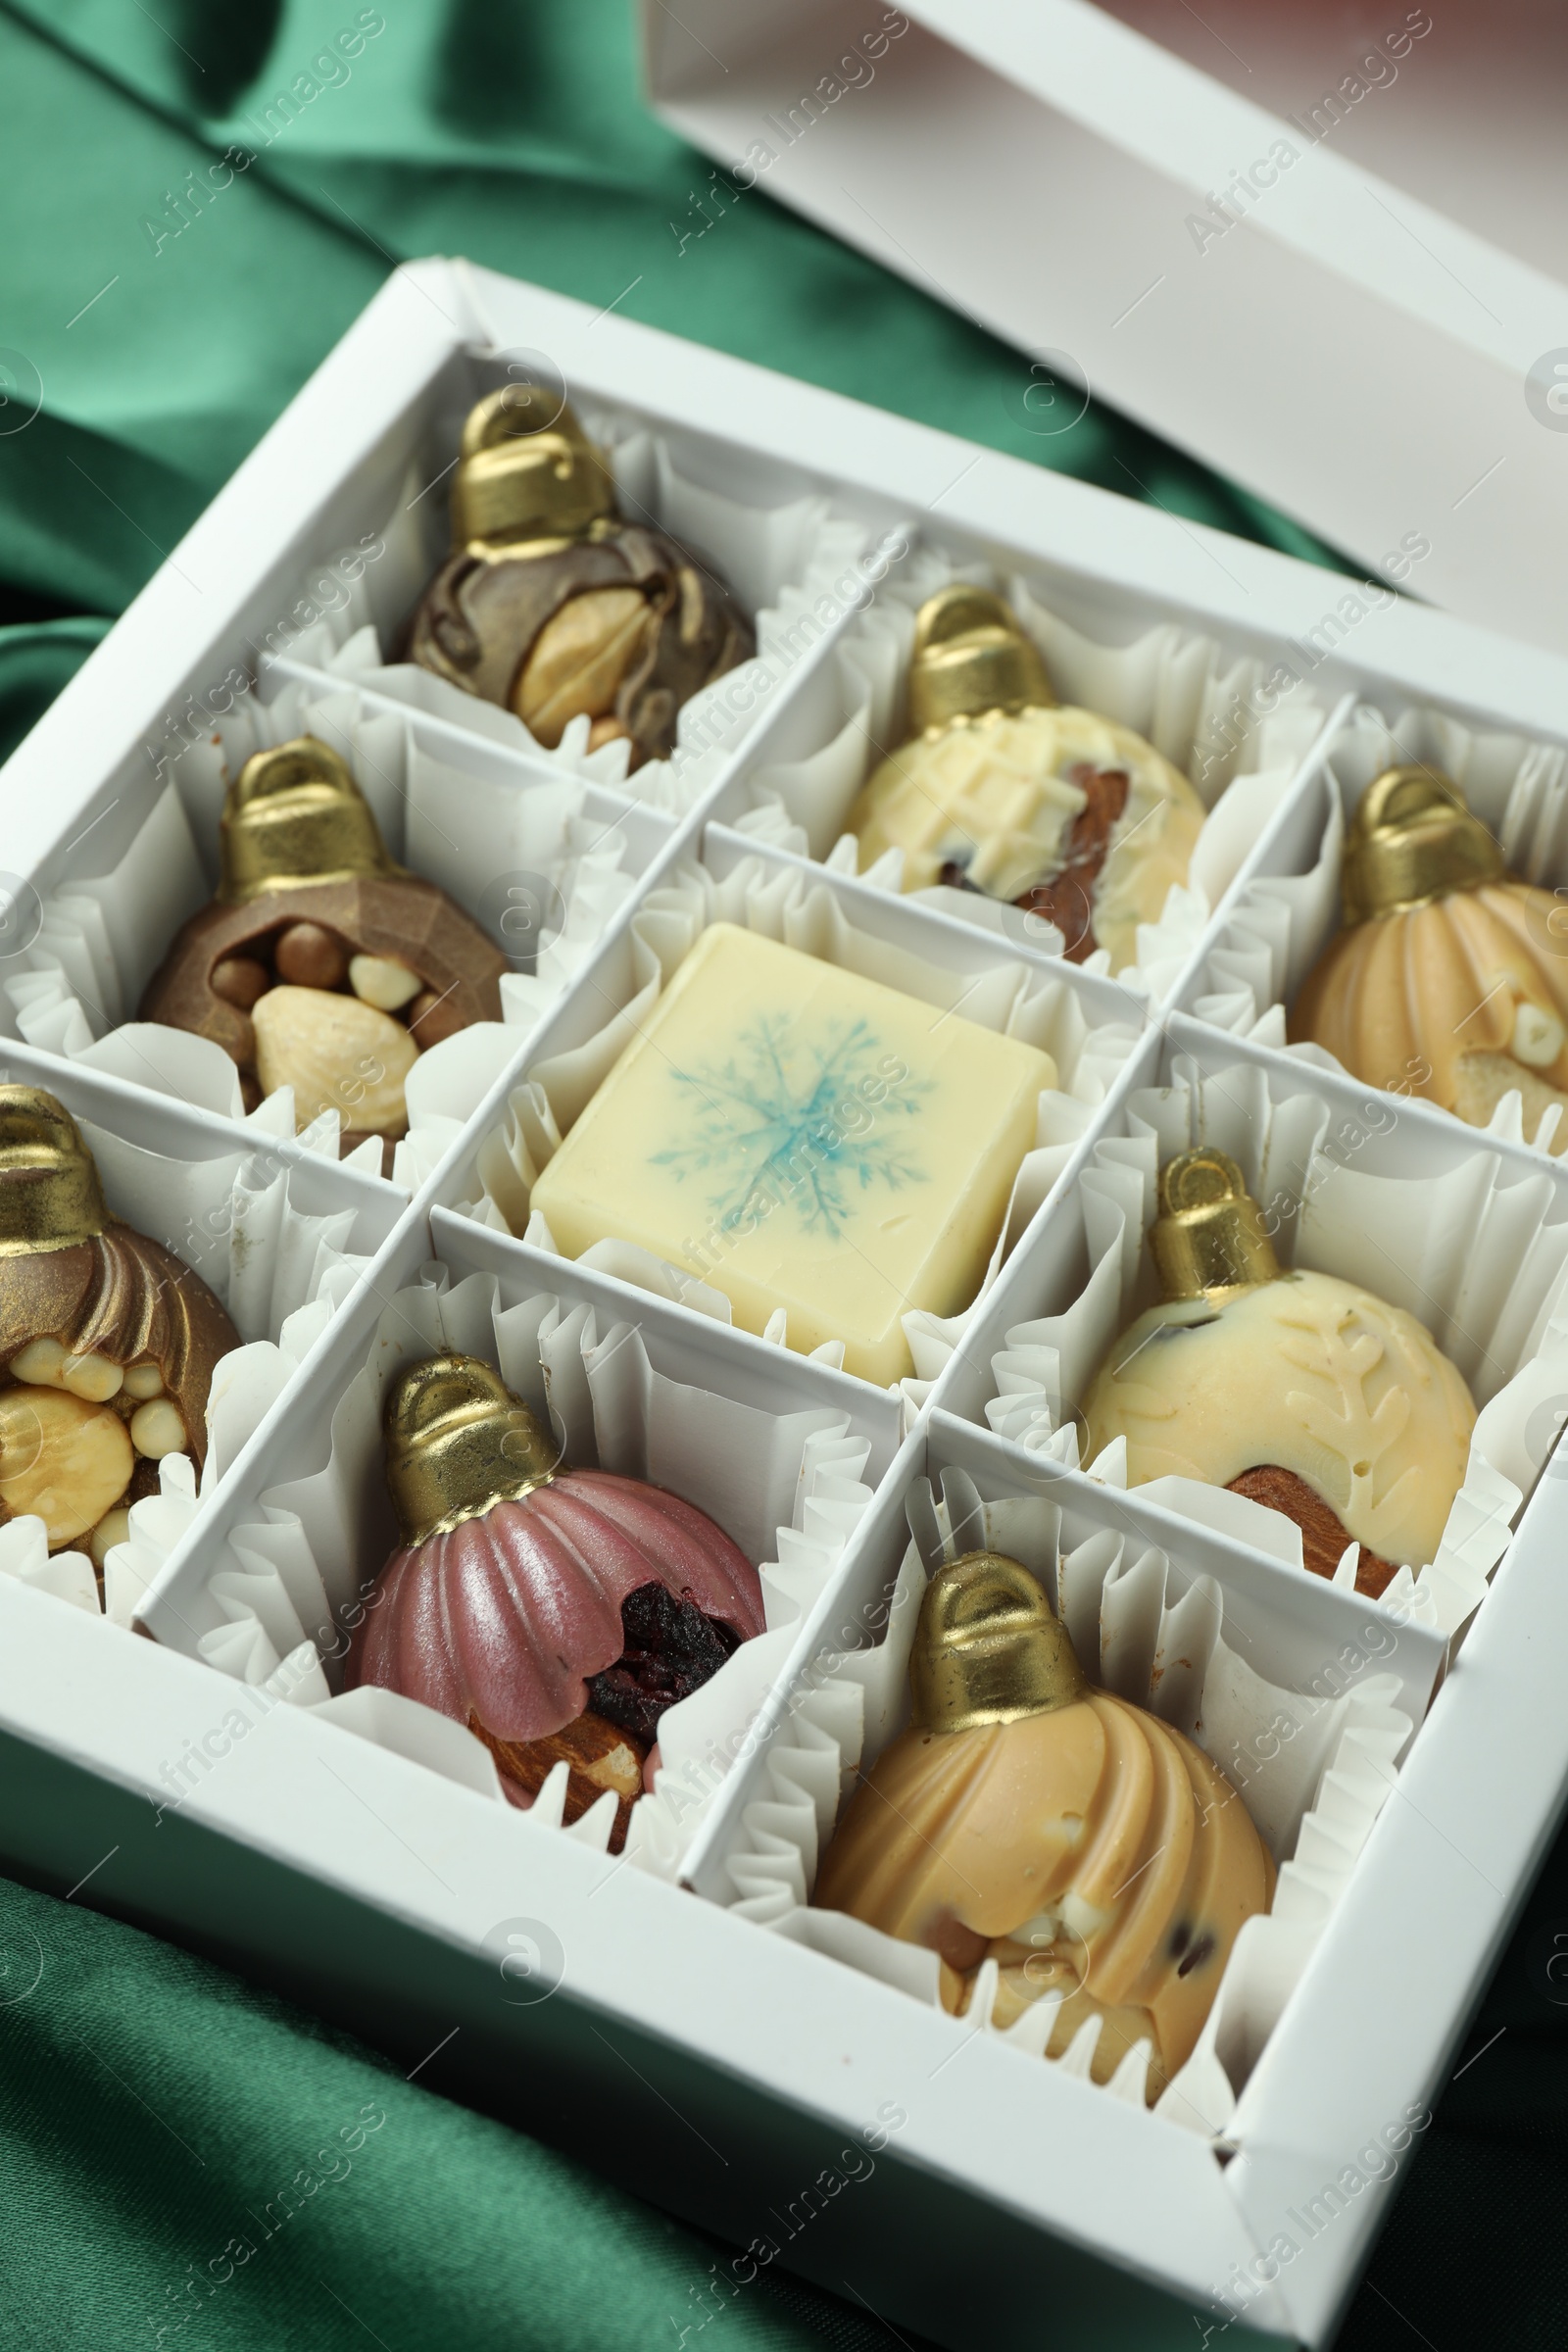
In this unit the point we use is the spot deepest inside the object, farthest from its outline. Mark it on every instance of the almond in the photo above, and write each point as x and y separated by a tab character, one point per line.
338	1055
580	659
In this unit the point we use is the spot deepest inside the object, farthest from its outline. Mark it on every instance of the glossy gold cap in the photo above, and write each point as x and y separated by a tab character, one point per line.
1208	1240
970	656
518	481
987	1649
458	1443
1411	839
295	816
50	1195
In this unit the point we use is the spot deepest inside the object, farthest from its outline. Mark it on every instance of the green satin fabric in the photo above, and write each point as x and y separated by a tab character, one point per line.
148	2101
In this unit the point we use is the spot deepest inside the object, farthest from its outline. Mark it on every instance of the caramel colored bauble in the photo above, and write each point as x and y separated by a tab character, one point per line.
1449	979
309	895
1244	1368
1074	819
552	606
1093	1853
108	1340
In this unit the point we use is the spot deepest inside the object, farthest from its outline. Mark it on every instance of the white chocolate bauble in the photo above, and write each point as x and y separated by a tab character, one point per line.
1309	1373
994	796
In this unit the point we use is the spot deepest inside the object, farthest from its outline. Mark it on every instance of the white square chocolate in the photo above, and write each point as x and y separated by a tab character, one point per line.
800	1138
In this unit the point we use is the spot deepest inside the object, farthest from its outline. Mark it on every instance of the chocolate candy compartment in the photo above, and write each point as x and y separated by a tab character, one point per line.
1515	779
1087	1024
543	860
783	1454
280	1236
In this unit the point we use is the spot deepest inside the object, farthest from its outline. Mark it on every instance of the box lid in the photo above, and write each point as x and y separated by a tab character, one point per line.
1226	224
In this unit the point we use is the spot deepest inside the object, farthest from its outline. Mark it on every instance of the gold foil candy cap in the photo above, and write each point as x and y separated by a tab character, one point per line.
1411	839
972	655
458	1443
50	1195
1208	1240
294	815
987	1649
520	480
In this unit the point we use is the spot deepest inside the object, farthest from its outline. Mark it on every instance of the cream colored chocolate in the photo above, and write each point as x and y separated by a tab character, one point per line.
1450	978
1090	1850
1306	1372
991	795
799	1137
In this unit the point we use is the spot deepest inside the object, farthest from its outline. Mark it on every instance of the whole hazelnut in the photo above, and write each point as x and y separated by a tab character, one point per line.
432	1018
310	957
239	980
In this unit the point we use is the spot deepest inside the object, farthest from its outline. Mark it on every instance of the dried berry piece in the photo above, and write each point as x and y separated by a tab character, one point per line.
1067	899
311	956
671	1651
1324	1536
599	1755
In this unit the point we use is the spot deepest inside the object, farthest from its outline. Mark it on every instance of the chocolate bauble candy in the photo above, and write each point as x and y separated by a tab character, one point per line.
308	963
1449	976
528	1599
1096	1855
1055	811
1303	1391
109	1342
556	609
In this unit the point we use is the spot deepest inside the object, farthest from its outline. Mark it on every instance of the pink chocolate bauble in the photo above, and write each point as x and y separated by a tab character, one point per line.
507	1616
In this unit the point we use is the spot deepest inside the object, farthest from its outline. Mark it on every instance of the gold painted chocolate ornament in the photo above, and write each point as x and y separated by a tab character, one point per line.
1092	1851
1301	1390
553	607
108	1340
1449	976
1003	790
321	964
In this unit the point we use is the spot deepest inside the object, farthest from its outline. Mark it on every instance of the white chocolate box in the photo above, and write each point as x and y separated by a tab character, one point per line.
213	1783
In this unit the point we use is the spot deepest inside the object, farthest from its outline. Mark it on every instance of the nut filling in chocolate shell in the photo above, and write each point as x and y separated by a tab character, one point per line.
108	1342
552	606
321	965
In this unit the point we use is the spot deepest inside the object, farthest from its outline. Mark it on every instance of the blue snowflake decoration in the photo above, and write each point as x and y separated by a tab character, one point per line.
788	1120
